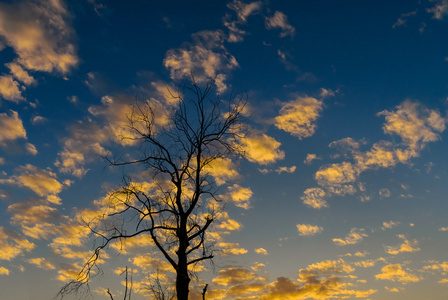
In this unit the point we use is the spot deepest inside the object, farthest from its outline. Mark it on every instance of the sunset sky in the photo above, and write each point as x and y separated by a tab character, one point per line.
343	190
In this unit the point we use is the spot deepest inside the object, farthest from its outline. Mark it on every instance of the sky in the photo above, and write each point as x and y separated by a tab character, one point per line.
341	194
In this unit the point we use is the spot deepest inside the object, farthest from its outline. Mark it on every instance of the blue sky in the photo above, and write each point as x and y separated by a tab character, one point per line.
342	192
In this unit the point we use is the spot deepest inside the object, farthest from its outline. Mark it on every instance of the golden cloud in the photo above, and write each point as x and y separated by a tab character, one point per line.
10	89
261	251
240	196
39	34
4	271
261	148
235	276
309	230
12	244
314	197
298	117
11	128
395	272
42	263
280	20
407	246
355	236
206	58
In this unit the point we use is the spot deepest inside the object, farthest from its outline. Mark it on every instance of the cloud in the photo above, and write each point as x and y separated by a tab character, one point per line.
261	148
222	169
110	124
12	244
10	89
389	225
309	230
11	128
280	21
234	276
36	220
314	197
395	272
337	174
291	169
443	229
240	196
40	35
4	271
42	263
298	117
310	157
355	236
413	122
42	182
261	251
403	19
407	246
231	249
243	11
206	58
384	193
20	74
440	9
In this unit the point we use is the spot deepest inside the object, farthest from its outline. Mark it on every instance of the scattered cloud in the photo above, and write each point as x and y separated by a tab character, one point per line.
12	244
42	263
40	34
234	276
309	230
261	148
389	225
11	128
280	21
314	197
396	273
206	58
240	196
291	169
4	271
10	89
440	9
243	11
403	19
261	251
407	246
298	117
355	236
310	157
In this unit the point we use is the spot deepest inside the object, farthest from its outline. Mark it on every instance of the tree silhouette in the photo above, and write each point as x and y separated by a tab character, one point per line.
176	212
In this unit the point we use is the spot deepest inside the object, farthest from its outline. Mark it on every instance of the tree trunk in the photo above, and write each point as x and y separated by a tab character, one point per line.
182	278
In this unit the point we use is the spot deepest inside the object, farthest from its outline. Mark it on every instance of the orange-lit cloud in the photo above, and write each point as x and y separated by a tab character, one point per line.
314	197
261	251
395	272
309	230
42	263
40	35
280	21
10	89
240	196
11	128
407	246
298	117
355	236
261	148
4	271
12	244
206	58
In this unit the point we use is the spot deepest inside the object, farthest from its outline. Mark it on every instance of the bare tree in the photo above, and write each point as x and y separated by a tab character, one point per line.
176	156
